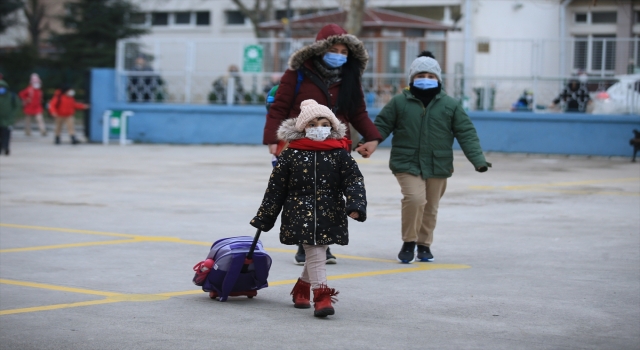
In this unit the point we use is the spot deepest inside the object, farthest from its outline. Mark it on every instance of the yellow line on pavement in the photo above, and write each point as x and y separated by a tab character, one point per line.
112	297
69	245
138	238
59	288
69	230
573	183
555	187
57	306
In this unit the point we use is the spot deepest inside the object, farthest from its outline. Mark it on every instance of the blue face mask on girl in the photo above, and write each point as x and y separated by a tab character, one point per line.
425	83
334	60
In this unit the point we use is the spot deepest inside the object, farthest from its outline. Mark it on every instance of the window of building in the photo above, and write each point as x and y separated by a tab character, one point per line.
234	17
280	14
138	18
604	17
580	52
581	18
414	33
160	18
182	18
595	53
603	53
637	16
203	18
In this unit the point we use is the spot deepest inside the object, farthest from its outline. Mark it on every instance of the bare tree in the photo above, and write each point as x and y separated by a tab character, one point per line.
354	17
35	12
257	14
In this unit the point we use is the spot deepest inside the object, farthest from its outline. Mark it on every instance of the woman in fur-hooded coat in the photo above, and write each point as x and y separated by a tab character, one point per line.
342	83
310	187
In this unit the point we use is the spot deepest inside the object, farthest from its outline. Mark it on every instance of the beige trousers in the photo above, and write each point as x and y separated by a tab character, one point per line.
315	270
420	207
70	127
39	120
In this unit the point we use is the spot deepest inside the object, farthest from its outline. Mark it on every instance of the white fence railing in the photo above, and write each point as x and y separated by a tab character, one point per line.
198	71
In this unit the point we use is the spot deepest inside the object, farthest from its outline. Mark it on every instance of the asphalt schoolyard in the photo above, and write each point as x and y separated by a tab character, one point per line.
97	245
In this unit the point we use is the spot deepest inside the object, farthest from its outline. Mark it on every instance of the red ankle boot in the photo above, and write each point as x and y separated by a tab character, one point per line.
301	294
323	297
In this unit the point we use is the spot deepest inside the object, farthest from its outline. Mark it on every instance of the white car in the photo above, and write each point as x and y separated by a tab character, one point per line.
622	97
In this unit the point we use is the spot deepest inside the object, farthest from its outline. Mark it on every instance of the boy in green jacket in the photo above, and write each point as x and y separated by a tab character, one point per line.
424	121
9	106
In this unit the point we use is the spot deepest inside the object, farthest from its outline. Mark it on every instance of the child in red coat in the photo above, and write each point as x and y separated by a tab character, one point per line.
31	98
63	108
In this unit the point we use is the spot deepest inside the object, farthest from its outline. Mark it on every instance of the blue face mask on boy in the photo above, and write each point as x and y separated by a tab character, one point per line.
334	60
425	83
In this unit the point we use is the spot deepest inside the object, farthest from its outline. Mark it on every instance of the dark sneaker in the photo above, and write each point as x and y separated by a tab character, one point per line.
57	141
407	254
424	253
300	256
74	140
330	258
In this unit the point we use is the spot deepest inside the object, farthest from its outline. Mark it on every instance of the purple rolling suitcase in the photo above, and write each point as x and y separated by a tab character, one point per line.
241	267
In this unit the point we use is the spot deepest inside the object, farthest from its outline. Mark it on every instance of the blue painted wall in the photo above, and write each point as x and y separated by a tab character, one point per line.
582	134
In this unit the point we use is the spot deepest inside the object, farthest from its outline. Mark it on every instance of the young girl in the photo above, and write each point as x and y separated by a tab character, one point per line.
31	98
424	121
63	108
309	184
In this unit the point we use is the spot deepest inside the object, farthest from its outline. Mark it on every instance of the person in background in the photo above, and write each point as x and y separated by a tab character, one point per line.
221	84
9	106
424	121
575	97
63	108
331	70
274	80
31	98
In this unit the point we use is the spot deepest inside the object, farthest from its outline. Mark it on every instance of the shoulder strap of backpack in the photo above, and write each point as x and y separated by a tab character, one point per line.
298	83
319	83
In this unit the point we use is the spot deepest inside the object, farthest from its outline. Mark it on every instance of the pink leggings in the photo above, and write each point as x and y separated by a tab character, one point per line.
314	270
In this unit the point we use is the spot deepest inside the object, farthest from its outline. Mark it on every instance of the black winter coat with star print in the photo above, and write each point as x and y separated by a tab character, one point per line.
310	187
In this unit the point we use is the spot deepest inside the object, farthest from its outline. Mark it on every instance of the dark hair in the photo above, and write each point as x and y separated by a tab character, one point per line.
350	96
426	53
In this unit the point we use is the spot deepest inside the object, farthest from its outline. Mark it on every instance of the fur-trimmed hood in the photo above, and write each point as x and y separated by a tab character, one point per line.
355	46
287	131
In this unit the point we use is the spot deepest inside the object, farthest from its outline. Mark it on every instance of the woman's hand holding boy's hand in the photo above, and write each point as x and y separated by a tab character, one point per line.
354	215
367	149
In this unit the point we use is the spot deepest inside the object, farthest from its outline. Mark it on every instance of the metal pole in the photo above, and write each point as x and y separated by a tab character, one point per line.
563	41
468	49
287	27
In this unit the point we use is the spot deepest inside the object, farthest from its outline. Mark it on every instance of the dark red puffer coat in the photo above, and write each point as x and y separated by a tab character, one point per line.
286	107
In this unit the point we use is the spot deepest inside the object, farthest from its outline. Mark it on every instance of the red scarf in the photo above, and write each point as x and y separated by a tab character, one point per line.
306	144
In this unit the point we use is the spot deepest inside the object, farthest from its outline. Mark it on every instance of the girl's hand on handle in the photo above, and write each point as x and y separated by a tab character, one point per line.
273	148
354	215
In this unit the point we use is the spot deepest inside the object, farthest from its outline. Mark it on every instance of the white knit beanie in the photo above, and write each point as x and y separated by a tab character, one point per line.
424	64
310	109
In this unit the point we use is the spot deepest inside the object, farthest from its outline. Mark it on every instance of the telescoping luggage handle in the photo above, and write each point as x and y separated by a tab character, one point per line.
249	259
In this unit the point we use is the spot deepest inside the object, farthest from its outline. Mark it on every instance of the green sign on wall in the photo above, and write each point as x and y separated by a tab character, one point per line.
252	59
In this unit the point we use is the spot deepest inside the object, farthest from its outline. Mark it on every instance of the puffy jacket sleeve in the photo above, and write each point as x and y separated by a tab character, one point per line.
274	196
78	105
386	119
281	107
465	133
24	95
363	124
353	186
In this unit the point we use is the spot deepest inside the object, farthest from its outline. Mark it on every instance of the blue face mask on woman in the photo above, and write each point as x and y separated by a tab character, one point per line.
334	60
425	83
